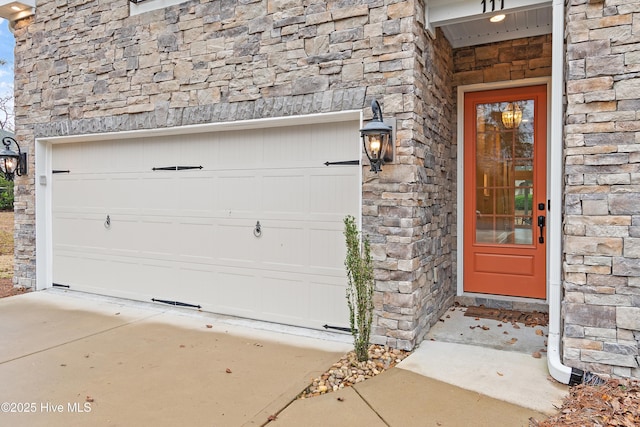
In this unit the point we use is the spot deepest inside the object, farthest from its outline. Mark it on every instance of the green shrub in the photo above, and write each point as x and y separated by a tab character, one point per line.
520	202
360	287
6	194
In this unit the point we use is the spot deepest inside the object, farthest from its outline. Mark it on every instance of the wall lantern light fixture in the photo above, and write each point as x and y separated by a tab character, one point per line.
512	116
376	139
12	162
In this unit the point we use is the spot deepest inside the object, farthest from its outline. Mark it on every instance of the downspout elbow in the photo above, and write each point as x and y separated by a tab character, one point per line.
560	372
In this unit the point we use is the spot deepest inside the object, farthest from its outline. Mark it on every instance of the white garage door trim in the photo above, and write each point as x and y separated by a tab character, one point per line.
44	147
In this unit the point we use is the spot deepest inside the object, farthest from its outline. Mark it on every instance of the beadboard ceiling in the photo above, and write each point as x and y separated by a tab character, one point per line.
464	22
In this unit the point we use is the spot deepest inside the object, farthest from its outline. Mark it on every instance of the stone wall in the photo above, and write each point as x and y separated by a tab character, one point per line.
602	188
86	66
502	61
409	209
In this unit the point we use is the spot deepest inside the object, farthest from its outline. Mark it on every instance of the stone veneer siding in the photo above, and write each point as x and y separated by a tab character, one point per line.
502	61
602	188
86	66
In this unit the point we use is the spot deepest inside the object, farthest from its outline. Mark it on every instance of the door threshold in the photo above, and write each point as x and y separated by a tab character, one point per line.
500	301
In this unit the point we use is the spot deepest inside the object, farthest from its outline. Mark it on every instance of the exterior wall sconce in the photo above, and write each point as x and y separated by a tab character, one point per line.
376	139
15	10
512	116
12	162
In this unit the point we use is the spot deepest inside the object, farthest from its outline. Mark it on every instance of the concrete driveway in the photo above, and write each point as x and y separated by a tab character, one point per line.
72	359
76	361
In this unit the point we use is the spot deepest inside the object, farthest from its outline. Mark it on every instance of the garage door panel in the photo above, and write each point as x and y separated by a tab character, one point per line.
329	193
189	235
155	192
285	193
155	237
280	290
279	245
196	195
240	150
78	268
329	303
327	251
238	192
335	142
121	192
192	285
236	285
197	242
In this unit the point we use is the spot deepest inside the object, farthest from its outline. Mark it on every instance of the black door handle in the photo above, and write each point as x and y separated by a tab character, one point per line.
541	223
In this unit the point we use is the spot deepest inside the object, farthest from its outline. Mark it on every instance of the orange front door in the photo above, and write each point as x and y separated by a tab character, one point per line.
505	201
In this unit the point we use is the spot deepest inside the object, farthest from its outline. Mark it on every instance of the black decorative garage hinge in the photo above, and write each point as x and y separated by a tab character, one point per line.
175	303
59	285
176	168
338	328
344	162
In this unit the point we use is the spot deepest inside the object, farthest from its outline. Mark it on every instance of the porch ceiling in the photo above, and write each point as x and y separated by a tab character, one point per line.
466	23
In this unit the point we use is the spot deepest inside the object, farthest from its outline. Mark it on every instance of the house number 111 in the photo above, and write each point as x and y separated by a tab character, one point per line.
493	5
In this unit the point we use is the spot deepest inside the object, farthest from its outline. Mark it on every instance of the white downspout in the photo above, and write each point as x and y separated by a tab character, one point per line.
557	370
560	372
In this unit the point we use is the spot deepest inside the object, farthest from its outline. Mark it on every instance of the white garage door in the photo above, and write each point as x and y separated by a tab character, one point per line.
121	228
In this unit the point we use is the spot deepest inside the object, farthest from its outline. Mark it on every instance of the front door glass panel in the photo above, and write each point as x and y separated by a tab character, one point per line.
504	173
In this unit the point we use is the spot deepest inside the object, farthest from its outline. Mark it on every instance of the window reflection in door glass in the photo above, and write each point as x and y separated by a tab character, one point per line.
504	172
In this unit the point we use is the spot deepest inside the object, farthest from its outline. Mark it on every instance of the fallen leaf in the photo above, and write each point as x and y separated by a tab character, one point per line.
182	346
499	325
485	328
539	332
512	341
89	399
472	327
506	333
516	326
536	355
448	317
228	371
500	373
209	326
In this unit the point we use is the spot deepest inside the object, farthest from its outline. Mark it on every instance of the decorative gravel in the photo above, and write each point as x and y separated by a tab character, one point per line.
348	371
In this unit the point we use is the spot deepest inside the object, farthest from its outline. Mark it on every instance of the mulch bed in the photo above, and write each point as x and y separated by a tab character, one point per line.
534	318
615	403
8	290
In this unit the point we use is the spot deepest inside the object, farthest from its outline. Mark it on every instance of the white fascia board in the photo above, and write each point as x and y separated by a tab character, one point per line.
446	12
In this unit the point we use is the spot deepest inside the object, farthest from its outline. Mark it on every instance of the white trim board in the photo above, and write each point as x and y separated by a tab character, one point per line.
462	90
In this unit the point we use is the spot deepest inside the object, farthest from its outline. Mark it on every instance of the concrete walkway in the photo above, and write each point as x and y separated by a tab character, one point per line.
70	359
